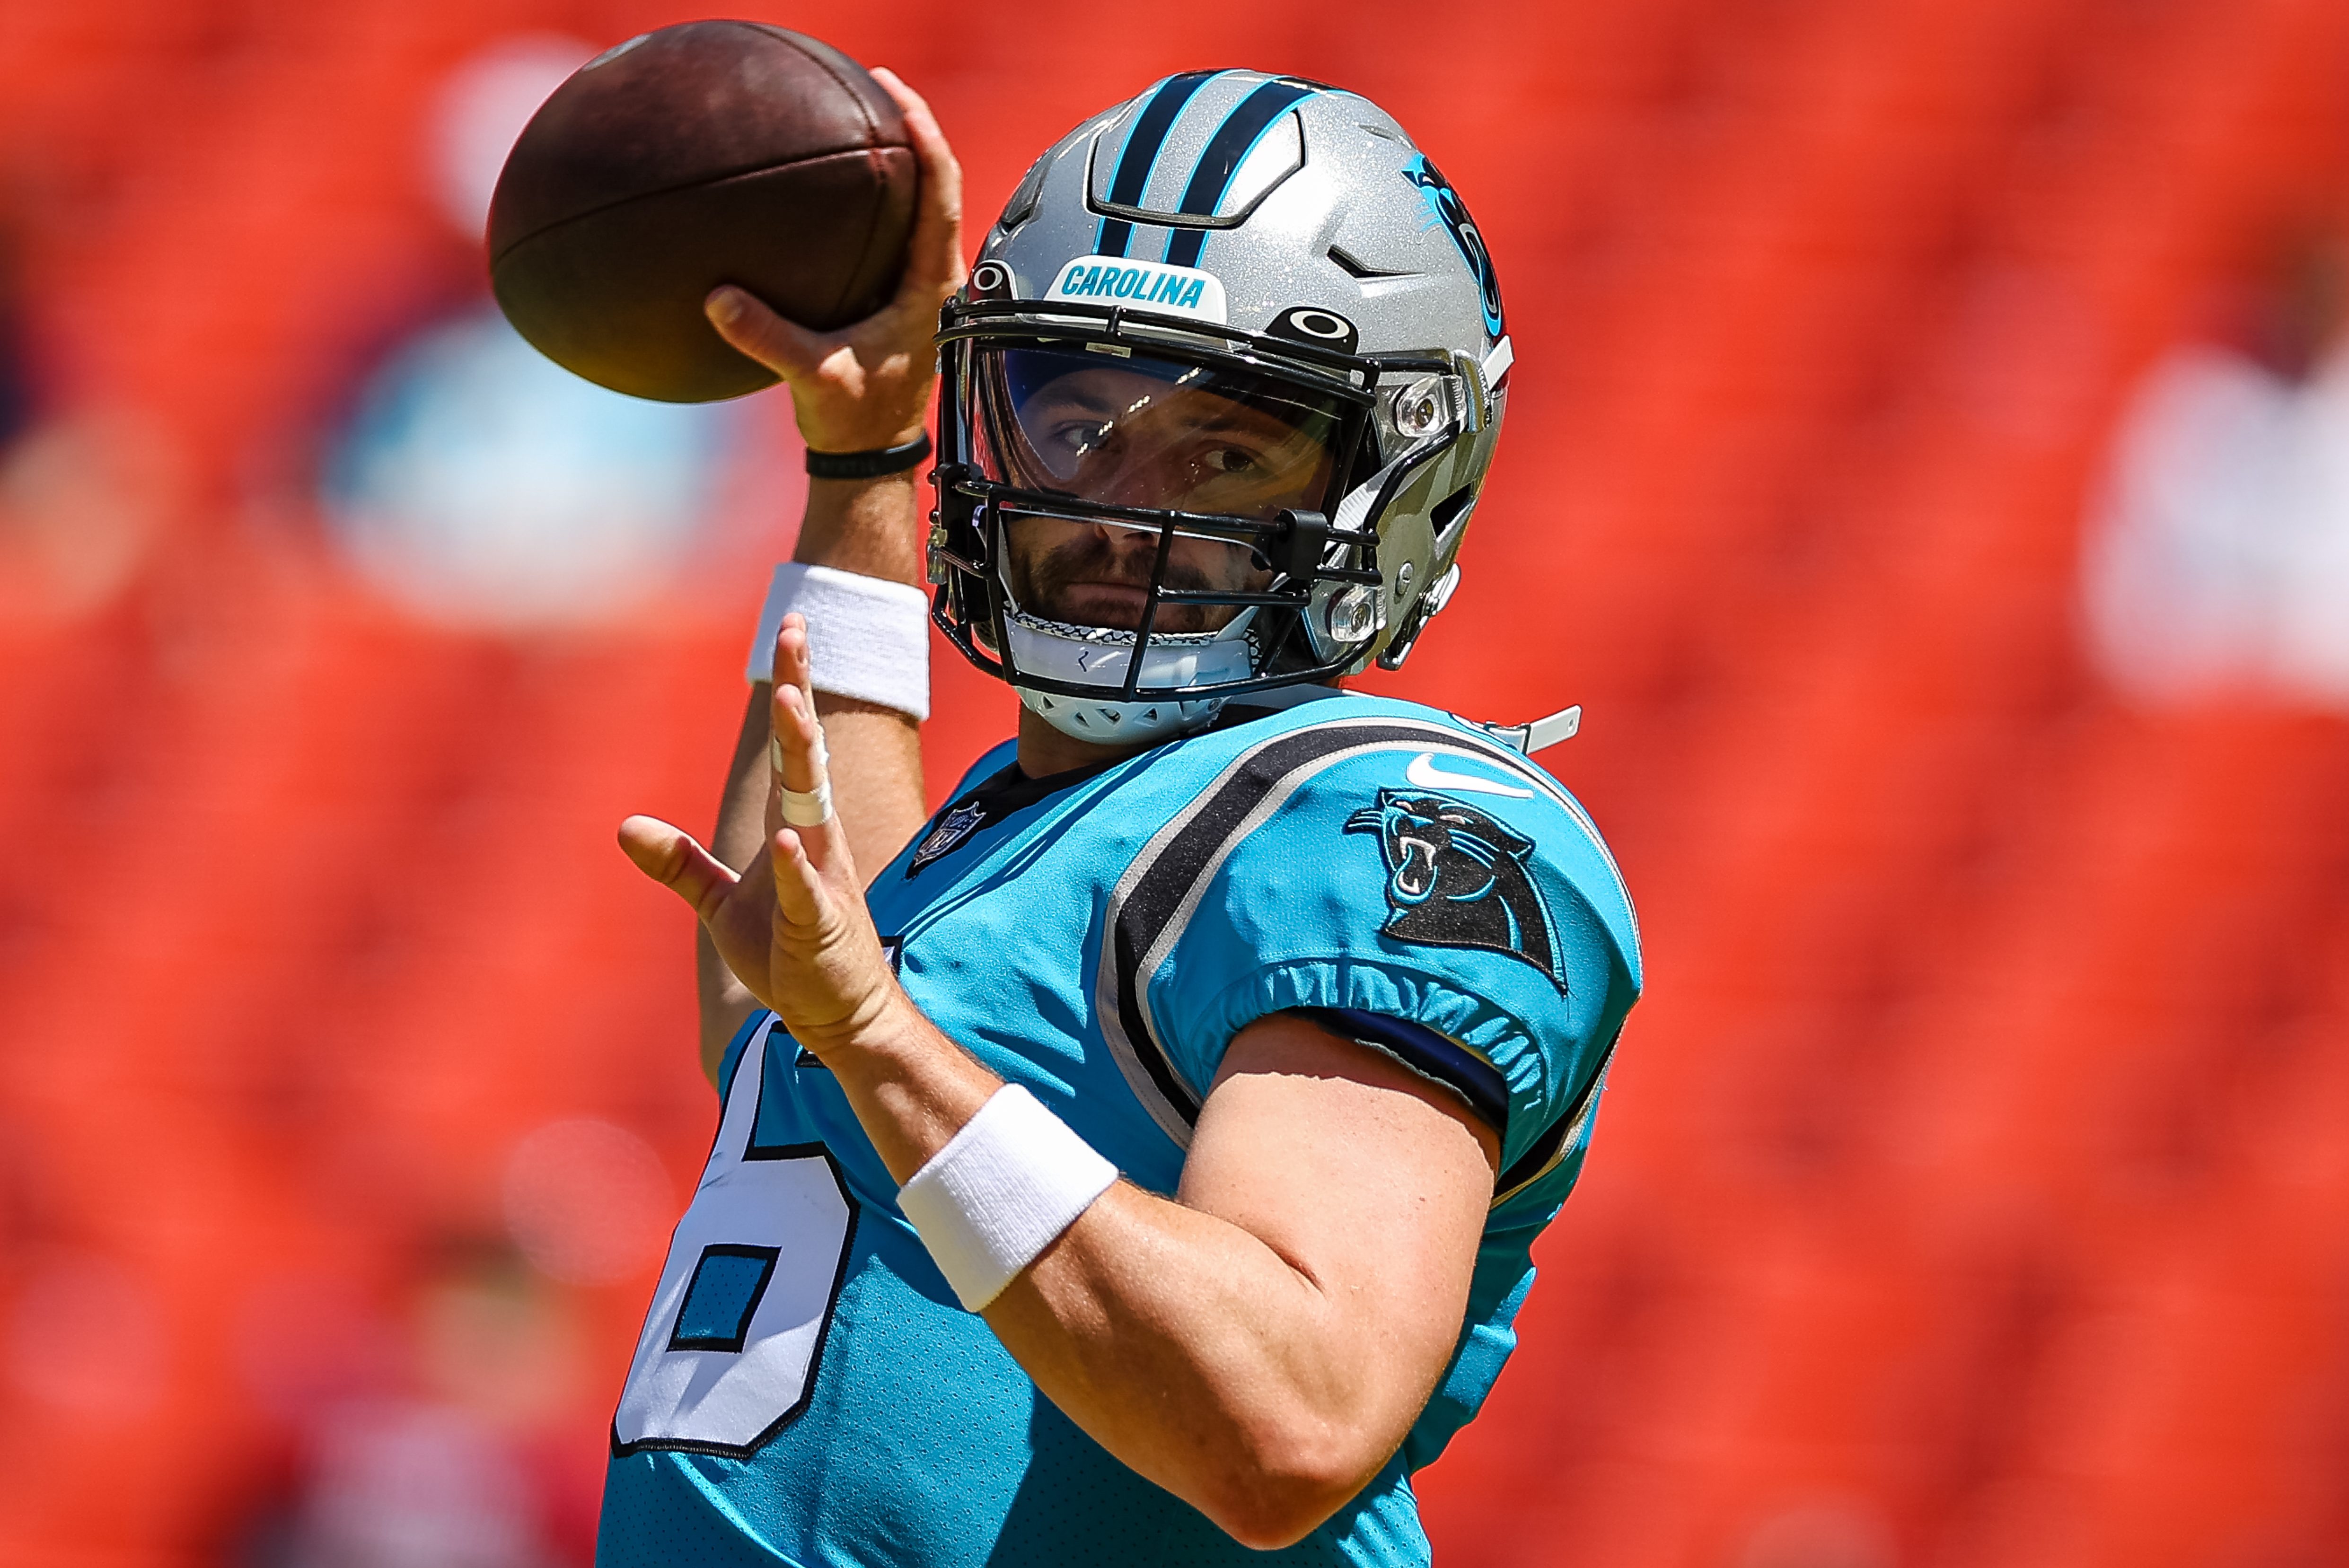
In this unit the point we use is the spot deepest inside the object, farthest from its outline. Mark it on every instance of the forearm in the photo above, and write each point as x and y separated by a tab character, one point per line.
869	527
864	526
725	1001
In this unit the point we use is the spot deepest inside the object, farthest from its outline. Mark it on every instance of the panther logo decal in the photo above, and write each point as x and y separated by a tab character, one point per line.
1457	878
1444	207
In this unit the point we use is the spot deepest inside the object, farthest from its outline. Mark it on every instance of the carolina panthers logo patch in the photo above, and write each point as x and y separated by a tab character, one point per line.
1444	207
1457	878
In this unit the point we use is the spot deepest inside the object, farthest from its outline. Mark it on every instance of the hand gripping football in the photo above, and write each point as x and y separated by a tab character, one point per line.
701	154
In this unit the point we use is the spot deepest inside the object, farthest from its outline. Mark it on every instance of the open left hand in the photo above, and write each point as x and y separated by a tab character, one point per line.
793	928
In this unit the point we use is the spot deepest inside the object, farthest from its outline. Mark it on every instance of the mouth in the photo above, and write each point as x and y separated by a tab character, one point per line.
1118	606
1414	878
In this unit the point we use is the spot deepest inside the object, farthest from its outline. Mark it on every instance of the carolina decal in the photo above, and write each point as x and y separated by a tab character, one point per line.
1457	878
1444	207
1153	285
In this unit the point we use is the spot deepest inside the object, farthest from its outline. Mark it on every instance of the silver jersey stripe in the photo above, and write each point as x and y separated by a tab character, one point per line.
1575	1134
1110	983
1274	799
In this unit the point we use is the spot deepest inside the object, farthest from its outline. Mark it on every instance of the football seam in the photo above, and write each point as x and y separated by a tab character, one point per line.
871	228
521	240
786	36
873	144
798	45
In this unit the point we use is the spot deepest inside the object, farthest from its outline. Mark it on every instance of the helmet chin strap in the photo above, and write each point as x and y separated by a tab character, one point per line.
1097	656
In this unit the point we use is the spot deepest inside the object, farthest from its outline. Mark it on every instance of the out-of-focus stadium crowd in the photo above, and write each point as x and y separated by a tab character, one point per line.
1927	463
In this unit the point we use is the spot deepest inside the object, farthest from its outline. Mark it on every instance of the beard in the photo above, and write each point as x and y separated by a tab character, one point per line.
1058	585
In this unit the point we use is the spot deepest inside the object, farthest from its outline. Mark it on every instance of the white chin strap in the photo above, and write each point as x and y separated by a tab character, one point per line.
1098	656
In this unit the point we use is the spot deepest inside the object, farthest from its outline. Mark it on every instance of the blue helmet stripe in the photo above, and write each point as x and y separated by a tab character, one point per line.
1142	148
1227	150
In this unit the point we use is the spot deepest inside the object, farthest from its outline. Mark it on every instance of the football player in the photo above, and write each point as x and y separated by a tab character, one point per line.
1141	1166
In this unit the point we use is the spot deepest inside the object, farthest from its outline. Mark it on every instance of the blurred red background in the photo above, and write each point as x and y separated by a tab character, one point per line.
1970	1190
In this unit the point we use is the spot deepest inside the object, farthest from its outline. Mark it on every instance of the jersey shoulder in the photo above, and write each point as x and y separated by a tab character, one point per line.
1382	858
1454	814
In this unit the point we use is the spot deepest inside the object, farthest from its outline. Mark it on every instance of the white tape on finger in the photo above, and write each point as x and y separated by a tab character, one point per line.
808	808
804	807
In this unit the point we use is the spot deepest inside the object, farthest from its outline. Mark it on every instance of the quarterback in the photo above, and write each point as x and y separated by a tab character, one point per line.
1141	1164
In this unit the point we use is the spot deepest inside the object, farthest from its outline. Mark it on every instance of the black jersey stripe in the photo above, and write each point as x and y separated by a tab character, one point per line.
1221	160
1142	149
1155	896
1167	878
1550	1147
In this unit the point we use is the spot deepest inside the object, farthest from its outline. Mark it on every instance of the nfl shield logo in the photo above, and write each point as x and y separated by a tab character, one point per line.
952	828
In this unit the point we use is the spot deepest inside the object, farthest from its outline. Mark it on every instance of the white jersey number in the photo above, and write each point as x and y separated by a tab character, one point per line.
729	1347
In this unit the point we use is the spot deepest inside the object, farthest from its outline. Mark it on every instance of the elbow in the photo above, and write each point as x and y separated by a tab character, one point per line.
1274	1489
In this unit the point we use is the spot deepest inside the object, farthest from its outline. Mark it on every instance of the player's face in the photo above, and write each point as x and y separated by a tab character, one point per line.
1151	435
1098	574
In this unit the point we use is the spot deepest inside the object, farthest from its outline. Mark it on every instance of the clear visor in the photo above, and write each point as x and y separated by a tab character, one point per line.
1150	433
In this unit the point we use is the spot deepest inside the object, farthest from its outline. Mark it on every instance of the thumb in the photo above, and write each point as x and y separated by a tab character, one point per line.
670	857
753	328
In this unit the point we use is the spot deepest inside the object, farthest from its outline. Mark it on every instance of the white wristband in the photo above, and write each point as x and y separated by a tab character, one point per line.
1001	1192
868	637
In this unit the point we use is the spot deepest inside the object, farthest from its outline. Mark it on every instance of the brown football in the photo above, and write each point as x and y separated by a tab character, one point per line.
705	153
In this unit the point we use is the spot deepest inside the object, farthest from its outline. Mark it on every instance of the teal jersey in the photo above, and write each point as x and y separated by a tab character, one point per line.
808	1391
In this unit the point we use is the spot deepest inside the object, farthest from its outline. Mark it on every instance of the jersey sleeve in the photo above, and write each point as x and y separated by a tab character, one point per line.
1455	910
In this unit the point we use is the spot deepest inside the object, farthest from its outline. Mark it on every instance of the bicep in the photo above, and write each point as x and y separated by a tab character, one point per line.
725	1001
1368	1179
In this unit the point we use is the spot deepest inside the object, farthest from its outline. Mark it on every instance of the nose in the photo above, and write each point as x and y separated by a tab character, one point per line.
1130	549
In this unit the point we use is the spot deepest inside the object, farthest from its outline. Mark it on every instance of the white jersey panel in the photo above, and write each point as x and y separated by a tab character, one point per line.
731	1344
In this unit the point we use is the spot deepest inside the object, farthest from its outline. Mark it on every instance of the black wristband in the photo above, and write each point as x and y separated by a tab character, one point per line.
869	464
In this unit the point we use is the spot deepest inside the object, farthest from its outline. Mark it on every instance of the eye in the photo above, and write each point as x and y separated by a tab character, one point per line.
1229	461
1078	436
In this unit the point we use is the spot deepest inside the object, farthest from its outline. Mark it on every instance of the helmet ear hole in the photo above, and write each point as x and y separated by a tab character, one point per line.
1452	508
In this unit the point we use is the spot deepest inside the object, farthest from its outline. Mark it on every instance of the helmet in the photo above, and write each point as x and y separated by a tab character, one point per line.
1219	396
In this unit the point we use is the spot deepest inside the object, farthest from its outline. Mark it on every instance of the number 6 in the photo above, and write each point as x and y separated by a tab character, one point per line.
730	1346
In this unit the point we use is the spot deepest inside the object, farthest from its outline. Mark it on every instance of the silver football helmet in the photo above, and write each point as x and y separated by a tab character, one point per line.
1219	398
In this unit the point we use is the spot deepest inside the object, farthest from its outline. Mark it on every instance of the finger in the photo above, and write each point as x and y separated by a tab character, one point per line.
802	796
755	329
934	267
669	856
801	896
796	751
794	664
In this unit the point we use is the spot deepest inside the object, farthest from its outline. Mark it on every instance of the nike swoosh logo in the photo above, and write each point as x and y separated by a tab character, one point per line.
1426	775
